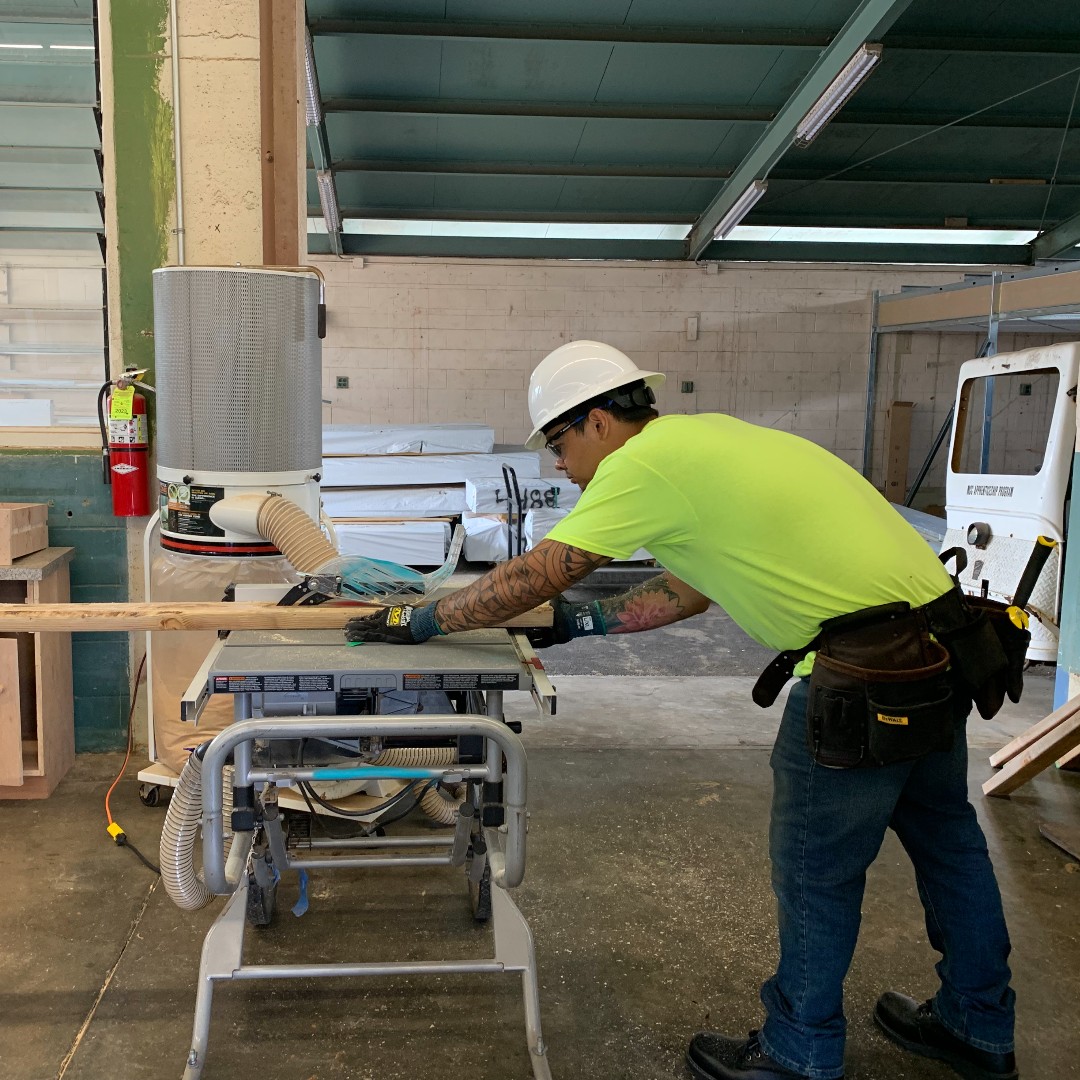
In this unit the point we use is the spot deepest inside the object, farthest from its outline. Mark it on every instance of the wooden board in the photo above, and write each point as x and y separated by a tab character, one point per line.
78	618
1021	768
897	449
55	694
1034	733
11	763
1066	837
23	528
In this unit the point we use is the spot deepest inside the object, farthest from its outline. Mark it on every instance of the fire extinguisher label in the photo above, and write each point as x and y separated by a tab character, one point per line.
185	509
120	404
128	432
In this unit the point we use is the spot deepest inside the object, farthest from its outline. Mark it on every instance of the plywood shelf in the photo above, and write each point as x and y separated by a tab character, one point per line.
37	737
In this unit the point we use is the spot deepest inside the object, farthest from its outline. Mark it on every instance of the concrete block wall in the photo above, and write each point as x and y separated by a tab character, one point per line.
457	339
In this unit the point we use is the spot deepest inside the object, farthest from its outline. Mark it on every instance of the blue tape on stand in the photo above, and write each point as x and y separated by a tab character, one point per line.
301	905
373	772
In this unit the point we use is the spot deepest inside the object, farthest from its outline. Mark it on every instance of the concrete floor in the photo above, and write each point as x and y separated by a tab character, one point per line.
647	892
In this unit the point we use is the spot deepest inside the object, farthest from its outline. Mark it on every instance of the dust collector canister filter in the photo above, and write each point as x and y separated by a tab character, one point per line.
239	370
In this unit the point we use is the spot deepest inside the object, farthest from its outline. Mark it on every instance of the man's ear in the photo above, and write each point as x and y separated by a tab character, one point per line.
602	420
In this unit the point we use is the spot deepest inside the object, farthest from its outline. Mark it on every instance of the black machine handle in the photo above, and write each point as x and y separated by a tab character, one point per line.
1030	577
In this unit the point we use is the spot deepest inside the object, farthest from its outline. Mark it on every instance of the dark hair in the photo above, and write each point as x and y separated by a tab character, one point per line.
629	404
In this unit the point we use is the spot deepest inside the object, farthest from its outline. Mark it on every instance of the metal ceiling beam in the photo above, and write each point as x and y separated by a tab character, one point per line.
586	110
866	118
1056	241
870	20
554	31
736	114
911	254
533	168
577	217
900	176
671	250
681	172
951	43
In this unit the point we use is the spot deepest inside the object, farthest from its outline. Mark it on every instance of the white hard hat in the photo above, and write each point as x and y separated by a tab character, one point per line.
573	373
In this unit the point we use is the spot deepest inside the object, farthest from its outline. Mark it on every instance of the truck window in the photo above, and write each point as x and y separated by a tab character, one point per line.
1013	440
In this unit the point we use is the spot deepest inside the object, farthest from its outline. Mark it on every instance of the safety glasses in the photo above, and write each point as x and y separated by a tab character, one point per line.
553	443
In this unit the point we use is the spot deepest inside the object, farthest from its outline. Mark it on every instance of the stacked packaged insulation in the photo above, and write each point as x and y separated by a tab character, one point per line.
393	492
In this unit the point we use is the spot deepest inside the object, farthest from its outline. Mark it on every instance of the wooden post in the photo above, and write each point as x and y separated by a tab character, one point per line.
284	153
897	450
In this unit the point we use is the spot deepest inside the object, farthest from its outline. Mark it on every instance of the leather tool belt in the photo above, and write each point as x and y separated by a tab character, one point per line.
886	679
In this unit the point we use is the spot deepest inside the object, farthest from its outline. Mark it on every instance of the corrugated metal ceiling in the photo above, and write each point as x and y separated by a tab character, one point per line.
639	111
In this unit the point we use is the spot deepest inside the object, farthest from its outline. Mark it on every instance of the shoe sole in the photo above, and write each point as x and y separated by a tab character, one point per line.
964	1068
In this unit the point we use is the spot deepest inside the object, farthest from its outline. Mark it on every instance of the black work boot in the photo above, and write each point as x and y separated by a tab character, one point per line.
715	1057
916	1028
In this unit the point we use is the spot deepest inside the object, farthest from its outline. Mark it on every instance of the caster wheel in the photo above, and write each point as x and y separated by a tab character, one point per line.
260	904
149	794
480	896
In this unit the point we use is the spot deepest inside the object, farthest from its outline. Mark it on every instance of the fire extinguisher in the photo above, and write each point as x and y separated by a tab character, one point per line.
126	443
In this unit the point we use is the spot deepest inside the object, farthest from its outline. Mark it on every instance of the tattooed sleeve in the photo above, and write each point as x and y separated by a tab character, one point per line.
517	586
660	600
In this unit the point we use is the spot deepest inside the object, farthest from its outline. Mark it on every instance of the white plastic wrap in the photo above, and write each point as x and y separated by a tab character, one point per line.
417	502
410	543
487	494
343	440
485	537
538	523
424	470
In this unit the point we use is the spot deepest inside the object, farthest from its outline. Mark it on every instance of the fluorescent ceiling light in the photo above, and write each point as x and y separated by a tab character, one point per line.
836	94
12	45
312	97
557	230
795	235
740	208
328	197
545	230
89	48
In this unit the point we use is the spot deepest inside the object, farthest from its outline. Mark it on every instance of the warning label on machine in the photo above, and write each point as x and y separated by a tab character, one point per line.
185	508
265	684
459	681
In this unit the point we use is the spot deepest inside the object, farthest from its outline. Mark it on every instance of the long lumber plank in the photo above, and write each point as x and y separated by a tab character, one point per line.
75	618
1034	733
1035	758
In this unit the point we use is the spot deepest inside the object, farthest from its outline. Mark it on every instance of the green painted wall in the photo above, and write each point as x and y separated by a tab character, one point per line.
80	516
143	167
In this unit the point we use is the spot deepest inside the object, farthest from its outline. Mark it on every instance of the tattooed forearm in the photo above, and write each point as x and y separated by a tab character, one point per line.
517	586
657	602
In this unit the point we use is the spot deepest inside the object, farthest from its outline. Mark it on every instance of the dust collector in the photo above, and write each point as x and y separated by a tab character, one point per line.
239	382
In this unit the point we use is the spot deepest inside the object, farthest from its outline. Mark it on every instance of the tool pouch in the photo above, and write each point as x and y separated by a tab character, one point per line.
988	650
880	691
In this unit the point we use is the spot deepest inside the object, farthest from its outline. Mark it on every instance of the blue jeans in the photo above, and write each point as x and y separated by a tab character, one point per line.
827	827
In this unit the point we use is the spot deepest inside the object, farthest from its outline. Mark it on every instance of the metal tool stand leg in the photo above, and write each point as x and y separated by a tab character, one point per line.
514	950
222	953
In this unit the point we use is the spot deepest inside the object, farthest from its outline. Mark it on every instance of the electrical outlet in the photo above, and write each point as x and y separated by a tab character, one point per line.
1025	389
343	382
686	386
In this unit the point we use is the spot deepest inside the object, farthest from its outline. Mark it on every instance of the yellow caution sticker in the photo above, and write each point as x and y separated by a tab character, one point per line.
899	721
120	404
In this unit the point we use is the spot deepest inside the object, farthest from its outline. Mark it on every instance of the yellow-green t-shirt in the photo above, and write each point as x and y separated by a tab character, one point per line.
778	531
